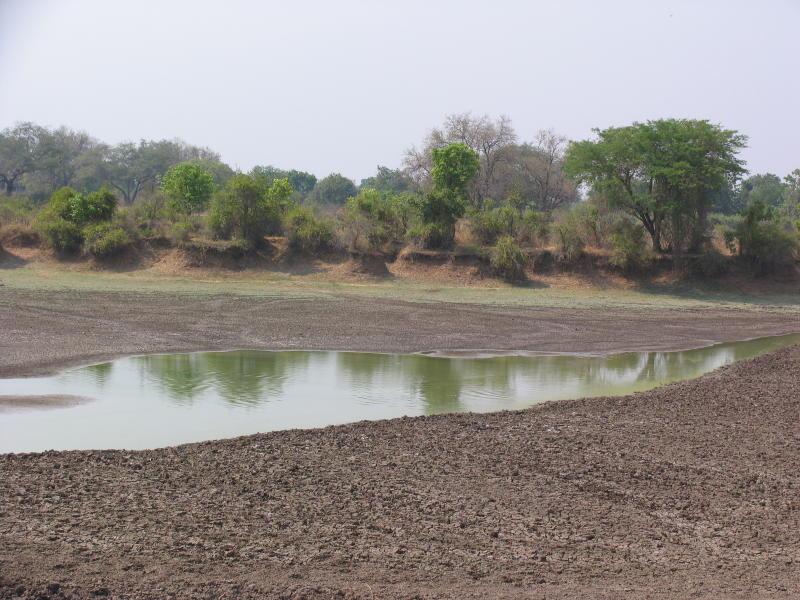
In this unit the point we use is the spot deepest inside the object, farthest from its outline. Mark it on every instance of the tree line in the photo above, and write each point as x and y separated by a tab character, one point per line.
668	186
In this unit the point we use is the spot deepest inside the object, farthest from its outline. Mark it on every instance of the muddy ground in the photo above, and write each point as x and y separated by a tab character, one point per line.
41	331
688	491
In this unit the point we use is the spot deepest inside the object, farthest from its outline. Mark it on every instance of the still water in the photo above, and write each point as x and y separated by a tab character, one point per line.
167	399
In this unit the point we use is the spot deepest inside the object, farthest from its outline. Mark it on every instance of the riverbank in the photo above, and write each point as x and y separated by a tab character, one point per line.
685	491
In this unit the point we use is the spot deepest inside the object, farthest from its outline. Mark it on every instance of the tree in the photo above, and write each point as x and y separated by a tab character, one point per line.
393	181
489	139
241	210
534	173
300	181
130	167
453	169
766	188
333	190
188	186
663	173
19	152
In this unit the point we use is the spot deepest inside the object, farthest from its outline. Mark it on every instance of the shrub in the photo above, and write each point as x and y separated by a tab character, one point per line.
569	239
180	232
188	187
508	260
19	235
306	232
709	264
490	223
372	219
16	209
763	241
92	208
103	240
244	210
59	234
628	245
530	227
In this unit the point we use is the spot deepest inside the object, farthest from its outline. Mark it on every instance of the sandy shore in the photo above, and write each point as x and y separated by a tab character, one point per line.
690	490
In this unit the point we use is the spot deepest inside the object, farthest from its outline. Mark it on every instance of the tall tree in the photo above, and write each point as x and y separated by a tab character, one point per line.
392	181
130	167
664	173
333	190
19	153
490	139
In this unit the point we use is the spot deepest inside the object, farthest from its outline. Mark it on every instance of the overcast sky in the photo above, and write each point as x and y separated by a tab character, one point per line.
345	85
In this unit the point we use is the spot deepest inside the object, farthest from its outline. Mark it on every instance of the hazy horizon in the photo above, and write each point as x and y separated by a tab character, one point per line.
343	87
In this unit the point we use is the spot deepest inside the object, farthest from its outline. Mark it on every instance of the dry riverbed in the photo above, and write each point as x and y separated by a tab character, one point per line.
690	490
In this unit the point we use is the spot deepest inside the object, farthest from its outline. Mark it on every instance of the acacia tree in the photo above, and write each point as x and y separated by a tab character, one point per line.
664	173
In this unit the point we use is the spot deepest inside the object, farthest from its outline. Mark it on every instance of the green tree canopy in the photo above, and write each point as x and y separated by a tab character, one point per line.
663	172
188	187
333	190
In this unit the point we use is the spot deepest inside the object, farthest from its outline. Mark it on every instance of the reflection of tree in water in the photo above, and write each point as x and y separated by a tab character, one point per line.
438	381
364	368
179	375
247	378
252	377
100	372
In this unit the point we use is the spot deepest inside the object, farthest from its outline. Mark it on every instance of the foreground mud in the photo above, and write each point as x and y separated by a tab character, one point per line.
686	491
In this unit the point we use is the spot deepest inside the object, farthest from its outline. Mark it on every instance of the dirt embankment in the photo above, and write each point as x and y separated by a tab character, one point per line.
41	331
689	491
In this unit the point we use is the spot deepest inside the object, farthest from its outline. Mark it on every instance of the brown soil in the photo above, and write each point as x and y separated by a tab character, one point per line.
16	403
686	491
41	331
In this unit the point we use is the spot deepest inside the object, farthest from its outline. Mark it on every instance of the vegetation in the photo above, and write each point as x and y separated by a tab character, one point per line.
630	194
508	260
188	187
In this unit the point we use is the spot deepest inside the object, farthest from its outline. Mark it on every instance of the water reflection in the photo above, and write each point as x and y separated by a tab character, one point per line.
240	378
160	400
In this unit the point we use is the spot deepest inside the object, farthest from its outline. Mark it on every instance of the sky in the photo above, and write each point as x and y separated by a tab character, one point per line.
345	85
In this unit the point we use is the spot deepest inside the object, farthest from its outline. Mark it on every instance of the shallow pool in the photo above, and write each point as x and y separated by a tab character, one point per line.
167	399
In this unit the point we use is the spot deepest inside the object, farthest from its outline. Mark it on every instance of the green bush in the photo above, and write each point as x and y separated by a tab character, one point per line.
628	245
180	232
244	209
508	260
763	241
371	219
569	240
16	209
306	232
59	234
490	223
530	228
92	208
103	240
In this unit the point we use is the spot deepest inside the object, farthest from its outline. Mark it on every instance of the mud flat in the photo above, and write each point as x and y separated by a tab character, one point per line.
44	330
690	490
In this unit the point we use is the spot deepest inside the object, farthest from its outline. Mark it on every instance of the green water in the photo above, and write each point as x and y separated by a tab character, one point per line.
162	400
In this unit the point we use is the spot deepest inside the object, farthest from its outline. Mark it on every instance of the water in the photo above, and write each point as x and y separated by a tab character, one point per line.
162	400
